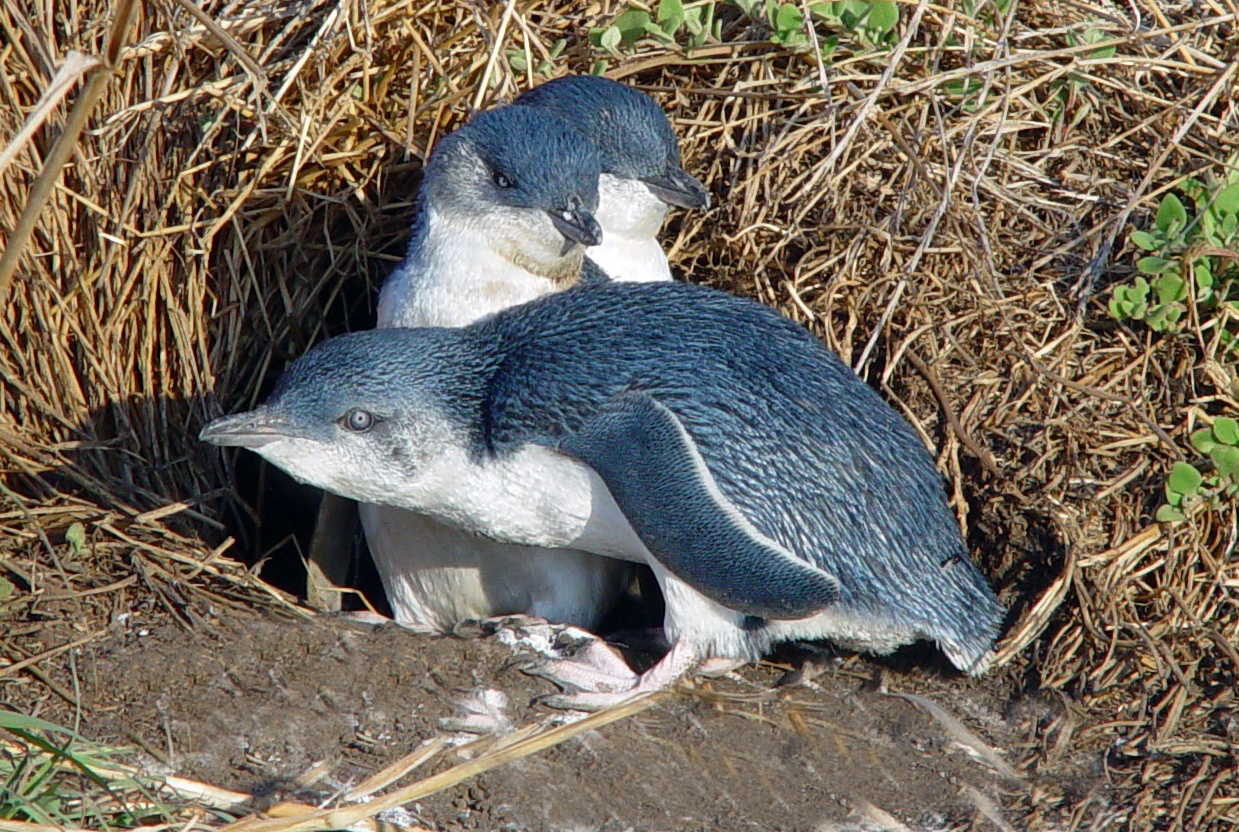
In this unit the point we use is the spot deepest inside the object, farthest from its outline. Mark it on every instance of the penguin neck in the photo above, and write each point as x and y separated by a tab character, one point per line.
630	217
459	270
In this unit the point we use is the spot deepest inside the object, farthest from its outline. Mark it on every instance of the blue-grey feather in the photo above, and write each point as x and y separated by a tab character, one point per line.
632	134
549	164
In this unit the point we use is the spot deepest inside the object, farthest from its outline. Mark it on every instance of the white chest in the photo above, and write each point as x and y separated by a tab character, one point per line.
534	497
454	282
630	217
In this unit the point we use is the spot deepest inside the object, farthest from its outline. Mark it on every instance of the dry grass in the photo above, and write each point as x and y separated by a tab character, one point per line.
244	183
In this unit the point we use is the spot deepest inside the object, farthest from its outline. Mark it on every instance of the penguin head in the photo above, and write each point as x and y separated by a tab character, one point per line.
389	403
523	178
634	139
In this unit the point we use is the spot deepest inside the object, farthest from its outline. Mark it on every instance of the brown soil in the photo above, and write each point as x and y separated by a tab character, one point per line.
252	703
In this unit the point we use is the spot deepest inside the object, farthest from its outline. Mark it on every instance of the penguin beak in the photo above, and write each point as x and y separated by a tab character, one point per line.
252	430
675	187
578	225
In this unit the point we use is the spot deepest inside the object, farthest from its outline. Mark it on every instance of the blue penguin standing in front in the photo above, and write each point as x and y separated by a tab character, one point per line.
641	173
774	494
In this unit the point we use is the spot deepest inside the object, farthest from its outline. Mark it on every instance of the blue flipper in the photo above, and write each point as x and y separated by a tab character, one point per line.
662	485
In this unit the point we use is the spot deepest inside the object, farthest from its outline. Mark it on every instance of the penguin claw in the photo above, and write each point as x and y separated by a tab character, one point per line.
588	701
575	676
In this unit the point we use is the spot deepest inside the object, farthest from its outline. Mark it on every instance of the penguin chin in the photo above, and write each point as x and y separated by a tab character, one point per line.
627	209
308	462
528	239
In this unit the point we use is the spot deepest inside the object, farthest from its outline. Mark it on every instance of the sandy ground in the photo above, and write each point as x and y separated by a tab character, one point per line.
252	702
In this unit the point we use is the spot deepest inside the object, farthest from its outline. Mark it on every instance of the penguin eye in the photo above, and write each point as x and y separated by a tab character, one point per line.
357	420
503	181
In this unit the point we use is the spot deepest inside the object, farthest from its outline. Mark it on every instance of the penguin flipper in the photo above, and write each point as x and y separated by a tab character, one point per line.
661	483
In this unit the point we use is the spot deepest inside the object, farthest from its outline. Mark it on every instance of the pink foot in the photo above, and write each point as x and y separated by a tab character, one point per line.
595	666
674	666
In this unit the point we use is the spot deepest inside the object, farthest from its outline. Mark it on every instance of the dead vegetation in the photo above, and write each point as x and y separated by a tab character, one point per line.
947	218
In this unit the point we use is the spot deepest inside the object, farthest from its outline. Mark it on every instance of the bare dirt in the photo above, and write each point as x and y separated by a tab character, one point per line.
253	702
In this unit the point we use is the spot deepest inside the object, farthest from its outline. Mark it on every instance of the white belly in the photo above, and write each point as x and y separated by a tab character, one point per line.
479	284
436	576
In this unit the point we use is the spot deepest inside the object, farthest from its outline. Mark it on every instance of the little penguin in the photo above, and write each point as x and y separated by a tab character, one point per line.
641	172
504	213
773	493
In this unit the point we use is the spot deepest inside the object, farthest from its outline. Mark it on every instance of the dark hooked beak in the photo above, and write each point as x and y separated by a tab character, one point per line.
675	187
247	430
577	225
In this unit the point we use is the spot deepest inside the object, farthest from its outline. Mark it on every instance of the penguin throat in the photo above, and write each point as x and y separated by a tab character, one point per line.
563	273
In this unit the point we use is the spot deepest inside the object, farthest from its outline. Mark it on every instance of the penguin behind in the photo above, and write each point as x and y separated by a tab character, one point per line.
641	172
504	215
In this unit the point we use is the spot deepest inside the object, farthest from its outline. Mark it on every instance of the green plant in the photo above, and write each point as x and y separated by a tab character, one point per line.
1192	264
44	777
672	22
52	776
873	23
1187	485
988	12
692	25
518	59
1072	97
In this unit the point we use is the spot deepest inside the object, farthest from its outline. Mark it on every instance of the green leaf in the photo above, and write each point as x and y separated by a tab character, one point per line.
1184	479
1164	316
1229	224
1153	265
824	11
631	25
1202	440
610	39
1226	429
1227	200
1171	215
1119	309
883	15
658	33
1225	459
1173	498
788	18
1208	226
670	10
6	589
1145	240
1169	514
695	22
1171	287
1204	276
851	13
516	60
75	536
